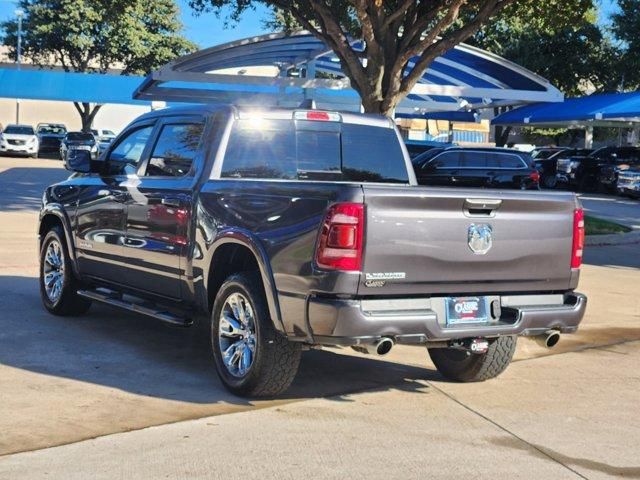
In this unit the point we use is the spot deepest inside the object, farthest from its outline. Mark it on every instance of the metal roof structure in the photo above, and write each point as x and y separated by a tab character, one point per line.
462	79
605	110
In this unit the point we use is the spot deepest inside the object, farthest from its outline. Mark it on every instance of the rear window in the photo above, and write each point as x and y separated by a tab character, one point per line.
276	149
79	136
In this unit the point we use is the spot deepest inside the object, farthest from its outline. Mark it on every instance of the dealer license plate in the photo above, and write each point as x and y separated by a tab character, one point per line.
464	310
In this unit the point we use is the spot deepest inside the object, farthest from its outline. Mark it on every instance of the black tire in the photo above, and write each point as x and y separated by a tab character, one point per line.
587	184
463	366
549	181
275	360
68	302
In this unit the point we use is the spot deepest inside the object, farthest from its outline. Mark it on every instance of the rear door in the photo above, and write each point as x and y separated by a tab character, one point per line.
160	197
418	240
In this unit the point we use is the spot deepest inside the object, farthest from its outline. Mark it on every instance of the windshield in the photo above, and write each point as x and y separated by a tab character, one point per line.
602	152
52	129
79	136
428	155
19	130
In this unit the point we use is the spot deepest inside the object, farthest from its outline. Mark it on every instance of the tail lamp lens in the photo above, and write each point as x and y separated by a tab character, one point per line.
341	238
578	238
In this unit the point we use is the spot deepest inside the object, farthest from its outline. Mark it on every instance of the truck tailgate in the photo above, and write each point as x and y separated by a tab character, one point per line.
418	241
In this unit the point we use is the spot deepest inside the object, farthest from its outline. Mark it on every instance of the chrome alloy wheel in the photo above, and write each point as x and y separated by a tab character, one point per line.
237	335
53	271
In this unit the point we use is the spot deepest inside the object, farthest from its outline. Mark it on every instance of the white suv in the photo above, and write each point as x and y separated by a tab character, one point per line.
19	139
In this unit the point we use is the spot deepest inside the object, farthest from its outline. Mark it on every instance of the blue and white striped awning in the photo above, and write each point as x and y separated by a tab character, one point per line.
462	79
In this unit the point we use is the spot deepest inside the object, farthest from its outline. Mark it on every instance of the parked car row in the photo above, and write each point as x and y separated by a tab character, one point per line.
476	167
608	169
48	138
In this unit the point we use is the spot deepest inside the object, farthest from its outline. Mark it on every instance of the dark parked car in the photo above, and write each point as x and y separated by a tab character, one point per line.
608	176
50	136
288	229
477	167
79	141
546	152
584	173
628	181
416	147
547	163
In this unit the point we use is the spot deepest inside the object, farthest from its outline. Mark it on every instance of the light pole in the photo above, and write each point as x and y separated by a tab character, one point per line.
19	13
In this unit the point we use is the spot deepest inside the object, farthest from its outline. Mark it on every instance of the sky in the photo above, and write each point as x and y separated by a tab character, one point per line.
207	30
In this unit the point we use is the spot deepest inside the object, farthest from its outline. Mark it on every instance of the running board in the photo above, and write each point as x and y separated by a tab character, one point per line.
144	308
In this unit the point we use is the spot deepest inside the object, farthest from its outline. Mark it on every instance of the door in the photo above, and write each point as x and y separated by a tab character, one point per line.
102	209
159	210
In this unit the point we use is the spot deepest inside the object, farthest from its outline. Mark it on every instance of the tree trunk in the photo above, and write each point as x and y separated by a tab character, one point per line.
87	114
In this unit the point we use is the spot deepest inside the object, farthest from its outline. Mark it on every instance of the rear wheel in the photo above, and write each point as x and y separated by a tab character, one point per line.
464	366
58	286
251	357
549	181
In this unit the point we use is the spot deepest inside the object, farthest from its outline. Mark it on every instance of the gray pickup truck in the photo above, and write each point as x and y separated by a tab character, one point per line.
289	229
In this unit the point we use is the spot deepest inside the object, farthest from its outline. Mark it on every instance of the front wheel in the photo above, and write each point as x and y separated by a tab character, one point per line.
58	286
464	366
251	357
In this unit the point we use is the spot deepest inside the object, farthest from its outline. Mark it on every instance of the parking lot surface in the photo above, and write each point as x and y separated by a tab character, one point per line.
65	380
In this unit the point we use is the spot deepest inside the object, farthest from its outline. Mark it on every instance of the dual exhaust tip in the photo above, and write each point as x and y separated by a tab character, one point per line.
548	339
380	348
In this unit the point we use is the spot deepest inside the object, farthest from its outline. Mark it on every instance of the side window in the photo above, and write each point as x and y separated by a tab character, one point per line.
447	160
124	158
175	150
473	159
510	161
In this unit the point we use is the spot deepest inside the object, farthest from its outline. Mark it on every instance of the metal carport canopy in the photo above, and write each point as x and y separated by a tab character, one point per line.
462	79
606	110
71	87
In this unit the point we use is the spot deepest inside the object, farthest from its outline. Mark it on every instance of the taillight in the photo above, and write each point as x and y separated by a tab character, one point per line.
578	238
341	237
535	176
317	115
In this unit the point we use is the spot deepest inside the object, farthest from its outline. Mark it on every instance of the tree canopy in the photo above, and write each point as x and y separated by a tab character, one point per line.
626	28
395	33
133	36
559	40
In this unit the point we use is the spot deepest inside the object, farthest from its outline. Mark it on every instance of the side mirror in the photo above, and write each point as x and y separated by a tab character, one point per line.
78	160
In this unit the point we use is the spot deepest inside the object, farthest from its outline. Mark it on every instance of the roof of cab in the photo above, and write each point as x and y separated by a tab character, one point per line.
274	113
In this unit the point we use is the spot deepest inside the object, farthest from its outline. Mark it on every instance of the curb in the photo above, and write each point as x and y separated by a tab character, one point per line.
613	239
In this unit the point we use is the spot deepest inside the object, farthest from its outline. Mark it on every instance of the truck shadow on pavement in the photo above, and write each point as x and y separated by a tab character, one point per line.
143	356
568	461
22	187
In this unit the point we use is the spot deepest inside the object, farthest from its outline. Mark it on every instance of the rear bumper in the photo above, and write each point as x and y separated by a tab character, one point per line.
351	322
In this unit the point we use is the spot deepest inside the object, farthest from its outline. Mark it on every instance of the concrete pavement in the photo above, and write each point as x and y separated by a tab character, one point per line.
66	380
625	211
566	416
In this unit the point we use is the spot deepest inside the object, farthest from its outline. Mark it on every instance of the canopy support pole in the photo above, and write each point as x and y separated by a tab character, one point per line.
588	137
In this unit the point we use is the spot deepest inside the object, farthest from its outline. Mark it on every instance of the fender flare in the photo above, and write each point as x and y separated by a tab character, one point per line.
246	239
57	210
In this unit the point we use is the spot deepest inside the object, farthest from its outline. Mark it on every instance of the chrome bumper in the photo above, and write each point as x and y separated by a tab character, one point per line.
350	322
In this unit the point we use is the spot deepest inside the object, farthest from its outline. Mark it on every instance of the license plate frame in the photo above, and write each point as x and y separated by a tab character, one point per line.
471	310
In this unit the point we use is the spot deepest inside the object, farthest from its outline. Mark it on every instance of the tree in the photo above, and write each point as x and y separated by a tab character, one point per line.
626	25
395	32
96	36
559	40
